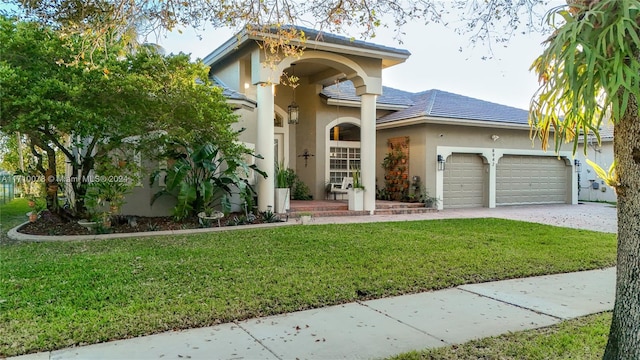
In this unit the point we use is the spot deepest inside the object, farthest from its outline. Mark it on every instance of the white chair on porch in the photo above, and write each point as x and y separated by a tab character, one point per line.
347	183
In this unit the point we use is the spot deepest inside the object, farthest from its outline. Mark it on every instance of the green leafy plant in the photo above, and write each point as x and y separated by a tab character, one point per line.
282	176
396	184
287	178
238	220
610	177
269	216
117	175
299	190
204	177
357	184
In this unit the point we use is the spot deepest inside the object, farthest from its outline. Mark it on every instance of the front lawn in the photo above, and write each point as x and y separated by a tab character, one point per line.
13	214
54	295
583	338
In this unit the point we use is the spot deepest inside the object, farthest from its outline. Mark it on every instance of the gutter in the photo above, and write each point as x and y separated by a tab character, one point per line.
450	121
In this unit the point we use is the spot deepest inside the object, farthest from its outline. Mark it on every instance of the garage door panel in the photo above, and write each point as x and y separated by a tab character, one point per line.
530	180
463	181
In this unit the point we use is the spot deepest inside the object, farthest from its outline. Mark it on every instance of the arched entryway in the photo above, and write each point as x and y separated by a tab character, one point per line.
315	68
343	144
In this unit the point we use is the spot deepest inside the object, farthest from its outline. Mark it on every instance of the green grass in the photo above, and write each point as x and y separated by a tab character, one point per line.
54	295
584	338
12	214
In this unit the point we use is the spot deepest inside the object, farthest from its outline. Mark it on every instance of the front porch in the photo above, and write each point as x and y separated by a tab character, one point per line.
323	208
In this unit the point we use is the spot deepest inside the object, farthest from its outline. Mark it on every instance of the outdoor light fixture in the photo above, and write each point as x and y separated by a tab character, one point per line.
441	163
578	165
293	109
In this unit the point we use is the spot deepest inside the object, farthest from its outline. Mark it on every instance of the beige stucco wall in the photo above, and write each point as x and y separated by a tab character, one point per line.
229	74
425	139
603	156
417	150
139	200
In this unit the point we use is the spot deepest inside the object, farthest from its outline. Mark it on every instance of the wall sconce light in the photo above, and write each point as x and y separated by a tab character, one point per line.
293	109
578	165
495	137
441	162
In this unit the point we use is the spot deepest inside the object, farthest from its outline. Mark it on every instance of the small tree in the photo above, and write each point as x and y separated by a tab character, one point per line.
87	111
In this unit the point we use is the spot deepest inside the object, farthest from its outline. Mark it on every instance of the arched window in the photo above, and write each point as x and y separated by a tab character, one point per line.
344	151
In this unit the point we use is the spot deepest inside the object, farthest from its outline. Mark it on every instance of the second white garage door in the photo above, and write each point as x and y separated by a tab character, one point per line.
464	181
531	180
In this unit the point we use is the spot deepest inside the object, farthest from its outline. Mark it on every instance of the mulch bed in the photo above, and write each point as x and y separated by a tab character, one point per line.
51	224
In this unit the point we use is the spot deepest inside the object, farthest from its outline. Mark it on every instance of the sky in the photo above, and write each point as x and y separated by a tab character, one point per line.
436	61
500	74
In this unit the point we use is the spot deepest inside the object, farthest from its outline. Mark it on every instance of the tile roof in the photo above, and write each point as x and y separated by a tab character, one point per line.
314	39
606	132
312	34
441	104
346	91
230	93
433	103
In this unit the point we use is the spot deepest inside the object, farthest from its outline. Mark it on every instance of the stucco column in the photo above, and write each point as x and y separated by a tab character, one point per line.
264	146
574	186
492	159
368	149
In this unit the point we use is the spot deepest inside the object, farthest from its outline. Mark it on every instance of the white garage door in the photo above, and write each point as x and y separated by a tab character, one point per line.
464	181
531	180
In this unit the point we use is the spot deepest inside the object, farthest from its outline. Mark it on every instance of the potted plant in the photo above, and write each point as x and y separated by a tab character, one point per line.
37	205
106	220
356	194
305	218
205	217
283	190
114	193
92	202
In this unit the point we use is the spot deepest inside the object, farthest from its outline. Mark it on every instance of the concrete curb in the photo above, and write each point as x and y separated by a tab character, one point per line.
14	234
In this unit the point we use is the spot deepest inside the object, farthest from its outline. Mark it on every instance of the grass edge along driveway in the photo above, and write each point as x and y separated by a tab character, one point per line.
55	295
583	338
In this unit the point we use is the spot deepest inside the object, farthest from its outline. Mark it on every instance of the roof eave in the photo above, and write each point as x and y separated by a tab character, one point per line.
238	104
450	121
225	49
389	58
357	104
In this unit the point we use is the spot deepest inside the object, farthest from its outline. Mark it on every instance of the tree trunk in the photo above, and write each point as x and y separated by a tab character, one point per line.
624	336
50	174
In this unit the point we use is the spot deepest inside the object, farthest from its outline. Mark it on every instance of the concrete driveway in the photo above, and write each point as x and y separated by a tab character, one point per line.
589	216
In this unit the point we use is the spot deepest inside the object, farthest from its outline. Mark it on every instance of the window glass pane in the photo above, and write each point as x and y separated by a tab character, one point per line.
342	161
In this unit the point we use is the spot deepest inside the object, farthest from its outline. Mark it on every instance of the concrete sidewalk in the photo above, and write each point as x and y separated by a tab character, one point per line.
377	328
